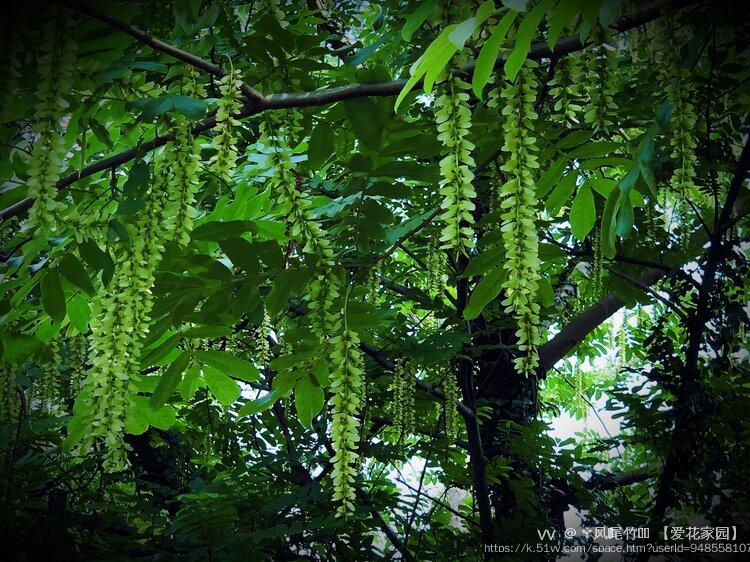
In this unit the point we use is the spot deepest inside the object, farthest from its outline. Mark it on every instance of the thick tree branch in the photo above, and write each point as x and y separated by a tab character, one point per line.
612	481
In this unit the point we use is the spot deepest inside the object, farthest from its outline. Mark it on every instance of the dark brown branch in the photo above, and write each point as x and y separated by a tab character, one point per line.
603	482
478	461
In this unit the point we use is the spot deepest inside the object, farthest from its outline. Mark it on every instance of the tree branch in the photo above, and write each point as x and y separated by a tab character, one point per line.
612	481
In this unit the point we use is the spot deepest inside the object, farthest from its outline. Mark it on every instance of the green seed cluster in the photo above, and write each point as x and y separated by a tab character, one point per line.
453	117
346	384
261	344
622	343
450	406
679	91
10	402
580	391
597	269
224	161
78	347
435	262
565	91
403	389
518	204
373	284
121	319
292	201
183	183
364	407
191	86
323	291
301	223
49	385
600	108
56	65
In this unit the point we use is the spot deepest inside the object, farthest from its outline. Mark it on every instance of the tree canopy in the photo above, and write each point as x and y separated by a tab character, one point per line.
308	280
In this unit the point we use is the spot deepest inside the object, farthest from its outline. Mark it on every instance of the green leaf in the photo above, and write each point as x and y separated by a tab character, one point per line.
203	332
140	416
488	54
190	107
242	254
74	272
609	11
169	380
308	398
220	230
281	290
650	181
516	5
594	149
439	59
100	132
485	291
562	14
120	231
268	229
574	139
130	207
561	193
78	427
93	255
524	36
163	418
625	215
485	10
484	261
462	32
550	177
260	405
160	352
415	20
152	107
79	313
228	364
434	59
607	237
286	362
53	296
603	186
18	348
224	389
321	145
582	212
364	117
190	382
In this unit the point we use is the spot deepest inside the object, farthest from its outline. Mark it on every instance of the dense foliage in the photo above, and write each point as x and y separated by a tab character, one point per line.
306	280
